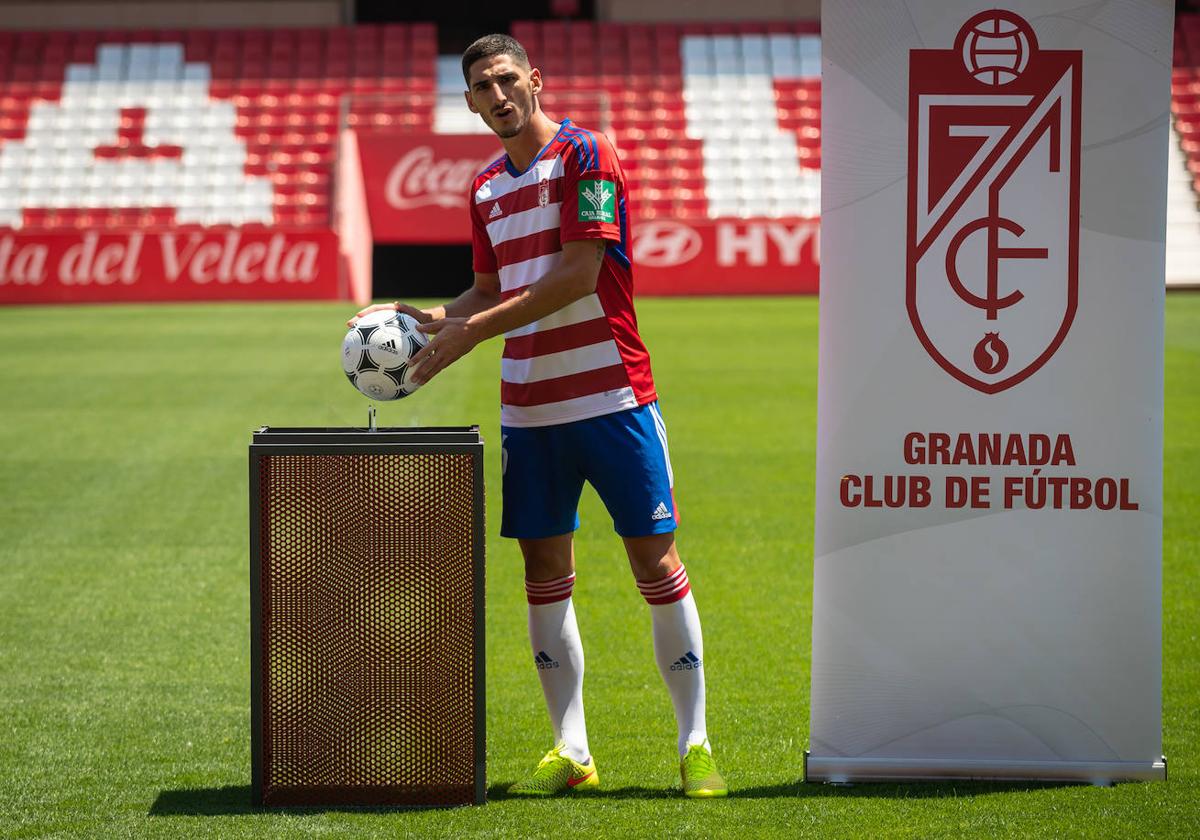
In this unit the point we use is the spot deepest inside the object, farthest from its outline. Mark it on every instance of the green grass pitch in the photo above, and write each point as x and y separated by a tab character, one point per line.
124	652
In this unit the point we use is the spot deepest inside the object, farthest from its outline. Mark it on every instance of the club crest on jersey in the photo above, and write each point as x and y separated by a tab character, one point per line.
543	192
993	200
597	201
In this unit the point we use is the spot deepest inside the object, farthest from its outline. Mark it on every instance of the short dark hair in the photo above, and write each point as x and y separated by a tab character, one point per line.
490	45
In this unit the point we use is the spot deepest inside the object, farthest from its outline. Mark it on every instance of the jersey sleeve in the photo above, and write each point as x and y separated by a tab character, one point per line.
593	189
483	257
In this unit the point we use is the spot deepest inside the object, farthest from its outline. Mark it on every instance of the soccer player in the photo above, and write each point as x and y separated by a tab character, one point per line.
553	274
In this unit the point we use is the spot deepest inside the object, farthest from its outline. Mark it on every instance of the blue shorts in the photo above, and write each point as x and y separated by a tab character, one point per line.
623	455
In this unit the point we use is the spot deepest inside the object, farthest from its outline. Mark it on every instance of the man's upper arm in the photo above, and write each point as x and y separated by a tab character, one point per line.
488	283
584	257
483	256
593	193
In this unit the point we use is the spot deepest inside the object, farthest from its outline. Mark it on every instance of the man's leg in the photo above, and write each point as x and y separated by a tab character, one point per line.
679	651
541	494
554	637
678	643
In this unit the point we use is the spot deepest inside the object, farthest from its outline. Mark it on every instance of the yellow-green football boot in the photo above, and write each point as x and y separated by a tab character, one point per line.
557	773
700	777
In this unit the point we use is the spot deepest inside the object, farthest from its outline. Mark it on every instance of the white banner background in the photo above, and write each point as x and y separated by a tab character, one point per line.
990	642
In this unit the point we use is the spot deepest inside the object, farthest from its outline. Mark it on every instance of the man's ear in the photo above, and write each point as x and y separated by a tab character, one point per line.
470	104
535	80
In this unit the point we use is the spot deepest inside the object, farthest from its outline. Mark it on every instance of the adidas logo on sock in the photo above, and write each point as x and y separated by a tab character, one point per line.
496	211
688	662
544	662
661	512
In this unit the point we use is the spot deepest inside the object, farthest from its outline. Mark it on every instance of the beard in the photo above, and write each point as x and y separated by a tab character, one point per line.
512	131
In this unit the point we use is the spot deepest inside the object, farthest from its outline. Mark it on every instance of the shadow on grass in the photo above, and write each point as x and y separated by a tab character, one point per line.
800	790
885	790
221	801
235	799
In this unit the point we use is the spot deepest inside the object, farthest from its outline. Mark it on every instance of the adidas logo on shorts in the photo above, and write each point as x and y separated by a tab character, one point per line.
660	512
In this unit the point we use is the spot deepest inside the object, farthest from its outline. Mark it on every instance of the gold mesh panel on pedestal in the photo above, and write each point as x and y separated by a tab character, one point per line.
367	571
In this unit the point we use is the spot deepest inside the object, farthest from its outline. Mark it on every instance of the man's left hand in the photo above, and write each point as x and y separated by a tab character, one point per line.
452	339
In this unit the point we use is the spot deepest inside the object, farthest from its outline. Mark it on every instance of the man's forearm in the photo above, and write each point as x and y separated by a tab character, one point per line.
470	302
559	287
454	335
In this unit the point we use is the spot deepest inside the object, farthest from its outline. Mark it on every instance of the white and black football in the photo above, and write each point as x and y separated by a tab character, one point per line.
376	351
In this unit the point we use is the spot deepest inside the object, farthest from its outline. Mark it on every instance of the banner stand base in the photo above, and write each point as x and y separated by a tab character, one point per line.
843	770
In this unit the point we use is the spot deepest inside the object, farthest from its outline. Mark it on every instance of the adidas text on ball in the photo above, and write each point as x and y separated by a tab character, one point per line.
375	354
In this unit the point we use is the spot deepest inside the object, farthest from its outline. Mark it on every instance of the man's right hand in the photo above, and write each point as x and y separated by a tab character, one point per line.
421	315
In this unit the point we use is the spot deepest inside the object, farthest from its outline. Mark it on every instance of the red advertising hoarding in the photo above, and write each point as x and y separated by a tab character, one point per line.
179	264
417	189
726	256
417	184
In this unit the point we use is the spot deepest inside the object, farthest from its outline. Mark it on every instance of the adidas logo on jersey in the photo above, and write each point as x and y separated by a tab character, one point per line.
496	211
688	662
544	662
661	512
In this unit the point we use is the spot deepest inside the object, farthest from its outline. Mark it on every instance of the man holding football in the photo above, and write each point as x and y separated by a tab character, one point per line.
553	275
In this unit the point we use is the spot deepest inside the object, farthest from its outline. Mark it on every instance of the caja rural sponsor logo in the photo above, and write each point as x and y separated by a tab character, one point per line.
993	200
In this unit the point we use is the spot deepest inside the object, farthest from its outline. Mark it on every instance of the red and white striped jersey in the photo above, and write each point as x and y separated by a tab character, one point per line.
587	358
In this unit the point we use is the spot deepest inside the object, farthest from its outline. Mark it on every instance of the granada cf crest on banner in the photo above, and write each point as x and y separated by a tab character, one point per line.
993	200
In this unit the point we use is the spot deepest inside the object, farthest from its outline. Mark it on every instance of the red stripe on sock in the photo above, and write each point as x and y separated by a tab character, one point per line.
668	590
549	591
671	580
556	583
670	598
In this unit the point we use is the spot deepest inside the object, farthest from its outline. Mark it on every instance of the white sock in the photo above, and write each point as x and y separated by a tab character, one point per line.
558	655
679	651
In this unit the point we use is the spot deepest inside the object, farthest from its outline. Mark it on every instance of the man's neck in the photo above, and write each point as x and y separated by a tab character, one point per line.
524	147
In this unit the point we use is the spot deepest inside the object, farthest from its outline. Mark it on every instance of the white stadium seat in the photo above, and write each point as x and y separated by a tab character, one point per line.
751	164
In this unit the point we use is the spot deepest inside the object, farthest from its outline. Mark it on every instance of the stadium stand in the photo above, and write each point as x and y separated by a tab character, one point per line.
138	128
212	127
697	109
238	127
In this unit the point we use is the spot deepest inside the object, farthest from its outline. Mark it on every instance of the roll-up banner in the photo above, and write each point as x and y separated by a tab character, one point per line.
988	576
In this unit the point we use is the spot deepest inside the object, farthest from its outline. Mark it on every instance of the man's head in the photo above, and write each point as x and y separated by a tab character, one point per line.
501	86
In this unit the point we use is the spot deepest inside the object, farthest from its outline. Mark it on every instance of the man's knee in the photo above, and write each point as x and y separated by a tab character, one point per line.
653	557
548	558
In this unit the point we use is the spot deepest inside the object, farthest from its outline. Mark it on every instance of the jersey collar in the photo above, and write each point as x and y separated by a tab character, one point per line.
513	171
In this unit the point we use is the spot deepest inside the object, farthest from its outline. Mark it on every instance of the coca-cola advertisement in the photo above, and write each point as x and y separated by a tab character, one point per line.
417	184
182	264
